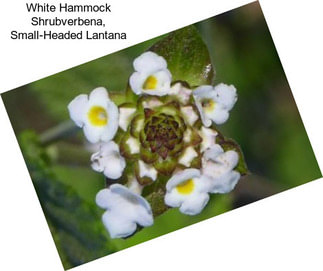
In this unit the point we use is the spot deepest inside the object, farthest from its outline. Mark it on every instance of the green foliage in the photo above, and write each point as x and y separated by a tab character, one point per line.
75	224
187	56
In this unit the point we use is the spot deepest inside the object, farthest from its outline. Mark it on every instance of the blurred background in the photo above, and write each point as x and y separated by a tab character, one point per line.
265	122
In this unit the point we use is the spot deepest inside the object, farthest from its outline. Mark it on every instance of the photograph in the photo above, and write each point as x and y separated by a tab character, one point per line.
161	135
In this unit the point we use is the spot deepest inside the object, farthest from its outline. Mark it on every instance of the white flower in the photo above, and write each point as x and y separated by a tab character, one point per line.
151	75
188	190
218	166
215	103
96	114
124	210
109	161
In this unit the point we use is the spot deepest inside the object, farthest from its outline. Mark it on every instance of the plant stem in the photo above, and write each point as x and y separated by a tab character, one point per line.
62	130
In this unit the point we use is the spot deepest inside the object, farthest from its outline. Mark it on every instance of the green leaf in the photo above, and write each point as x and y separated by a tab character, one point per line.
75	223
187	56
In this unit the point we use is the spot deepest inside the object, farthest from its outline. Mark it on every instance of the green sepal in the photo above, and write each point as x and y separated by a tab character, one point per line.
197	161
177	149
157	202
127	105
136	125
166	167
148	156
171	109
142	139
195	138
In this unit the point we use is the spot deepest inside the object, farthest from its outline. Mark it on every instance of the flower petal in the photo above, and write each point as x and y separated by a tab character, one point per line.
194	205
109	161
99	96
77	108
218	166
181	176
117	226
219	115
215	103
125	209
225	183
226	95
93	134
113	123
149	62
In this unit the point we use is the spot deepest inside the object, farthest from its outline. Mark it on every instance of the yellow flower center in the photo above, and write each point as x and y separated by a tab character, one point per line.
186	188
150	83
98	116
208	105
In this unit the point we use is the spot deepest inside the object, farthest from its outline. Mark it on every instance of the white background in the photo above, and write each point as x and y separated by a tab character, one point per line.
283	232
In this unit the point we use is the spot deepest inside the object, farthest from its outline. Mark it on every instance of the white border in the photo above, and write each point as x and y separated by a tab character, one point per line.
283	232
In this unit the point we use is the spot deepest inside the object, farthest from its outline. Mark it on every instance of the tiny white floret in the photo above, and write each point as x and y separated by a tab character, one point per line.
124	210
146	170
214	103
187	190
96	114
151	75
108	160
218	166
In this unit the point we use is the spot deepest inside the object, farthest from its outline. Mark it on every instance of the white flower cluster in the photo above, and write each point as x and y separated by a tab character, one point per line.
189	188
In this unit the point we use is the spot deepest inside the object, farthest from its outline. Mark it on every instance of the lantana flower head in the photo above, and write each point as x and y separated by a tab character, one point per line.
160	148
